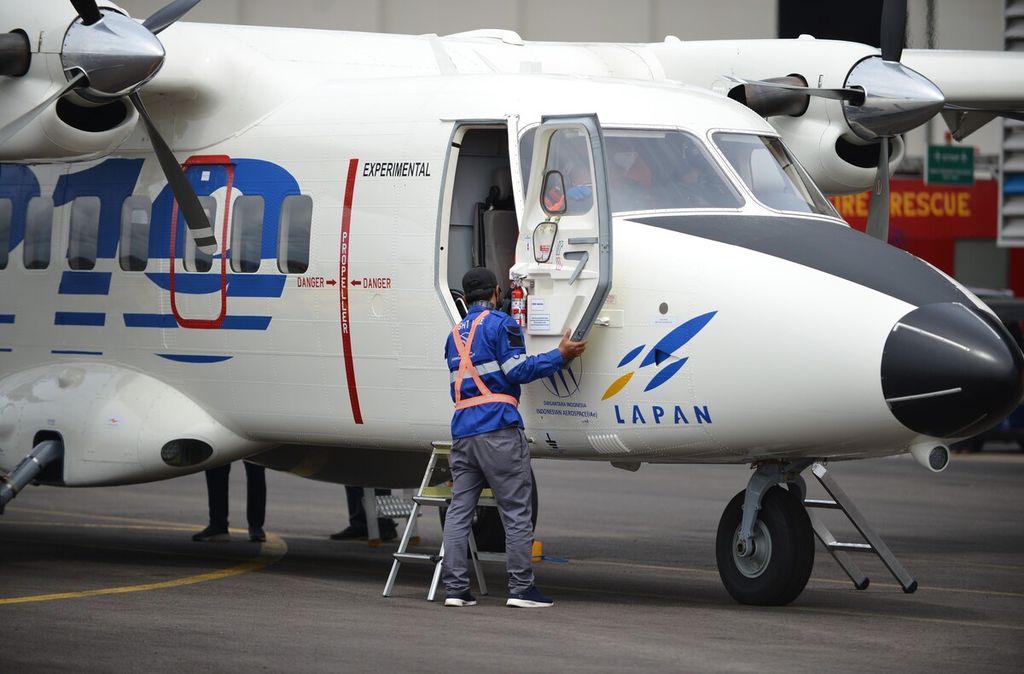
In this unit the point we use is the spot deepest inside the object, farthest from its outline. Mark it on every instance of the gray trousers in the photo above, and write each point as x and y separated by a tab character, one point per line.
502	459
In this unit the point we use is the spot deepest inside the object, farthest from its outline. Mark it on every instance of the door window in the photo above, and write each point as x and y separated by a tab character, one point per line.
569	154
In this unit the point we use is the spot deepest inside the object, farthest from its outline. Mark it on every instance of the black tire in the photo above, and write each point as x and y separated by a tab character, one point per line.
777	575
488	530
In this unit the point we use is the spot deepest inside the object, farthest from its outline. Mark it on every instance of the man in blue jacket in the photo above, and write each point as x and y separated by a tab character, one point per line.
486	356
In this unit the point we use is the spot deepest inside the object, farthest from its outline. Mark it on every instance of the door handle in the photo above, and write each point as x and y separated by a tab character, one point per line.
583	257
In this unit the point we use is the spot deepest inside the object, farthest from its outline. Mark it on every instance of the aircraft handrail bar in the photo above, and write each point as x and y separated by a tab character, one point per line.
822	503
851	547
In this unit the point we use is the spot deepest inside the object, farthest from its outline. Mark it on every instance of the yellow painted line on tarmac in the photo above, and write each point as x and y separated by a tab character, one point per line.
271	551
111	518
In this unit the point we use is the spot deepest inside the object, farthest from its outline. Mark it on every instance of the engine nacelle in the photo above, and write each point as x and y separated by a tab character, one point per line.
117	426
838	160
73	128
838	163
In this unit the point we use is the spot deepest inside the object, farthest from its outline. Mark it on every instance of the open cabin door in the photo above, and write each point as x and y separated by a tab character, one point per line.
564	251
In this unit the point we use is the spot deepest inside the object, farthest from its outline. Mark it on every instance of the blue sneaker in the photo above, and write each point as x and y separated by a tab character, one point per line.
463	598
530	598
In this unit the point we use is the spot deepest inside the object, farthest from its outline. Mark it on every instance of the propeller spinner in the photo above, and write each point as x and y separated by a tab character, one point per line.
108	56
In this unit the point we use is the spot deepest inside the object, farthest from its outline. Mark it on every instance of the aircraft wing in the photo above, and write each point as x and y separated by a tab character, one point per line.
978	85
985	79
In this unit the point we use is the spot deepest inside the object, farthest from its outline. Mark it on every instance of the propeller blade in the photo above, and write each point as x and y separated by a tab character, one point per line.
188	202
894	29
21	122
168	14
852	95
88	10
1009	114
878	210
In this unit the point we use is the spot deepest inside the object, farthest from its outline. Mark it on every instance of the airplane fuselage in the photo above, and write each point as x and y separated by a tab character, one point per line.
731	333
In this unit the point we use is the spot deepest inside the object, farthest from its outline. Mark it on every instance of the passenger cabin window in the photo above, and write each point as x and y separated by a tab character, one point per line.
773	174
85	227
135	218
38	233
247	234
294	233
568	154
6	215
193	257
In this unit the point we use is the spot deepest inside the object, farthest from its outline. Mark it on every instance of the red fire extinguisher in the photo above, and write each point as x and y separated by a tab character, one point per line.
519	304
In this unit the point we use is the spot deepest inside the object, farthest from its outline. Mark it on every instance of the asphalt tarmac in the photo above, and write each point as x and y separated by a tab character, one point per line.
109	580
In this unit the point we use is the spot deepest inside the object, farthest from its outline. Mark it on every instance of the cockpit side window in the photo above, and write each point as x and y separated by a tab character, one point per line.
773	175
660	170
647	170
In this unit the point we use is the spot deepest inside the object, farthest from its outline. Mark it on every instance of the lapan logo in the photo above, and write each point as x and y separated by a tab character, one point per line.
661	353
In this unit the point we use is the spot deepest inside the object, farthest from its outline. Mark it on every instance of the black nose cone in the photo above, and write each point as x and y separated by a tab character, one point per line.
951	371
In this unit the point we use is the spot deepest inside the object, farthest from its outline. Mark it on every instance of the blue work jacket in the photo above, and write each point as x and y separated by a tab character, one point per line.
499	354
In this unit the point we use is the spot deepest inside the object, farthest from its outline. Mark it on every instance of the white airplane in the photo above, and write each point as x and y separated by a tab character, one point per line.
278	276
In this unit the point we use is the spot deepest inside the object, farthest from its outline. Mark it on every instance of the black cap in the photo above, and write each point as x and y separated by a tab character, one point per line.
479	278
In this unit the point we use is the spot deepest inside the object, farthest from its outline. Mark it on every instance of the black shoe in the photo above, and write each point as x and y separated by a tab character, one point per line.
389	534
531	598
256	534
349	534
460	599
212	533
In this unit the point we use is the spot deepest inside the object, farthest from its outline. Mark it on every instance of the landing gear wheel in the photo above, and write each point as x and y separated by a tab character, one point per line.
488	530
777	571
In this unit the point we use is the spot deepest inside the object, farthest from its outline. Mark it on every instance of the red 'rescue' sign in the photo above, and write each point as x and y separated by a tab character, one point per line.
917	210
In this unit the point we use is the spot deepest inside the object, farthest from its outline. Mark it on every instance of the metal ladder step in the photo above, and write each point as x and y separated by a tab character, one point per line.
416	558
839	550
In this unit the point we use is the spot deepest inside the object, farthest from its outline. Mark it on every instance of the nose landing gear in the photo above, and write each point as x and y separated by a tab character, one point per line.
771	567
765	543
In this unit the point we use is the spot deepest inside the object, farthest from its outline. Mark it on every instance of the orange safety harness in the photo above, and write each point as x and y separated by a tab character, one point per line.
466	366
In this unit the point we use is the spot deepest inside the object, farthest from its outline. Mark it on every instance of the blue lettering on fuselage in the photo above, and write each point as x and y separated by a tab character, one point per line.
636	415
114	180
20	185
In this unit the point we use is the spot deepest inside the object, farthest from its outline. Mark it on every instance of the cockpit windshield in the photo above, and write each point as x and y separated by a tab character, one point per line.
654	170
772	174
647	170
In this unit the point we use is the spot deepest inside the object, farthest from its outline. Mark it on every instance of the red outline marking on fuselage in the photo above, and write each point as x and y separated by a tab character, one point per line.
343	255
205	323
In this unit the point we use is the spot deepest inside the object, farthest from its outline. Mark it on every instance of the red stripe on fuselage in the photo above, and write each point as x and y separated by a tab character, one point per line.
343	257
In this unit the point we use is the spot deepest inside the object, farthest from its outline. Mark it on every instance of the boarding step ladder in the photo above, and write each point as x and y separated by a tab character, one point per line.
840	551
395	506
438	496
